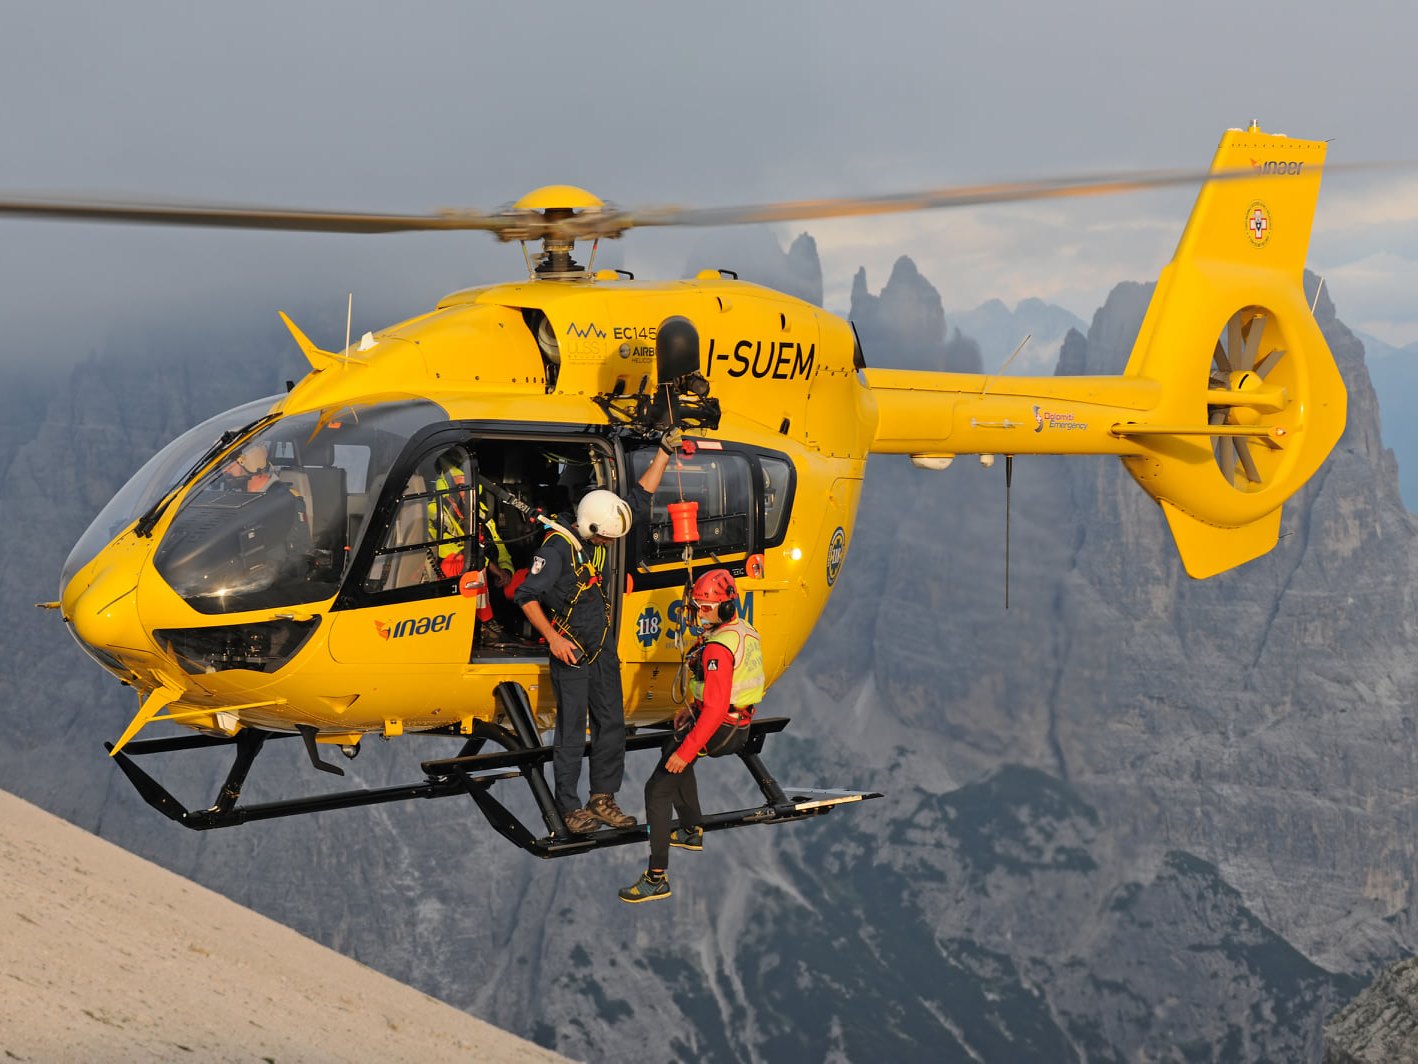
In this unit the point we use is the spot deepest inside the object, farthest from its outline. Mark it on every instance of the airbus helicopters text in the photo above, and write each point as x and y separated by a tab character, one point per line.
316	604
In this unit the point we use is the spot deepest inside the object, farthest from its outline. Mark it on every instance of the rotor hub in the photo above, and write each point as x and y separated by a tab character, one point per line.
551	214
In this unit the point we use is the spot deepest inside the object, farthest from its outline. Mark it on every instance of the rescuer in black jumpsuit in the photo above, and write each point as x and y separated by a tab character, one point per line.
566	599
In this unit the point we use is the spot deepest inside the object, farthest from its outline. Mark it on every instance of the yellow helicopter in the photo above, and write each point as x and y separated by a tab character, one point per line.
276	571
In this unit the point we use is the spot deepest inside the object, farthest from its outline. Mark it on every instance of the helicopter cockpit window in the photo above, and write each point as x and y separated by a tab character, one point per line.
159	474
273	525
721	482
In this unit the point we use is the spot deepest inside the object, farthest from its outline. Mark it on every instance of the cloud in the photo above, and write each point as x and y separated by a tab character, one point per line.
1070	254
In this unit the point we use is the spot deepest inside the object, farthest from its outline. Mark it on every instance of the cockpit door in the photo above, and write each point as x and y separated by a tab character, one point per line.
408	601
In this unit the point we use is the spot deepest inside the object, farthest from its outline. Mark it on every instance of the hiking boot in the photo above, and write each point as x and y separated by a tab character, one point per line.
580	821
687	838
646	888
604	809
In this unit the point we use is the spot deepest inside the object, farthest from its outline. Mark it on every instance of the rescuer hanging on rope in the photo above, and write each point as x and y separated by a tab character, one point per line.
726	682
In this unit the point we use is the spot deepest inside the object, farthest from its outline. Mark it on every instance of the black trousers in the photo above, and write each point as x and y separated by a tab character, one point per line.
666	791
678	792
593	688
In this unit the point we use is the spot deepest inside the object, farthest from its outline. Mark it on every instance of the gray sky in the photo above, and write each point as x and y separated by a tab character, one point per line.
430	103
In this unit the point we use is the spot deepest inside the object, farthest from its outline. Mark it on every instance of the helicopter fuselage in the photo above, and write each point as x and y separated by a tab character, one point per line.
313	602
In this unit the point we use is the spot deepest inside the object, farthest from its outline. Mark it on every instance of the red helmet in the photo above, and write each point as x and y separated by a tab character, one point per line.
716	587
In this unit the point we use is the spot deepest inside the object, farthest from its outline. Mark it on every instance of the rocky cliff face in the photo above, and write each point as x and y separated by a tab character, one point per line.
999	331
1132	817
904	326
1380	1026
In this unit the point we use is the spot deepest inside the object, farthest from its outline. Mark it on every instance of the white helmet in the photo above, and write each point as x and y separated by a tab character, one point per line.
603	513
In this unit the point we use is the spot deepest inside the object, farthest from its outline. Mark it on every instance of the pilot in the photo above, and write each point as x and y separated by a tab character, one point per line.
564	597
726	682
250	470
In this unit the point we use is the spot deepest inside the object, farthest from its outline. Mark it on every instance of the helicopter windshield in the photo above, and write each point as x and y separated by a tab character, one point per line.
159	475
275	524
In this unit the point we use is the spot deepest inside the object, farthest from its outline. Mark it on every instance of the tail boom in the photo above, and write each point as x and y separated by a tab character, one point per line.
960	413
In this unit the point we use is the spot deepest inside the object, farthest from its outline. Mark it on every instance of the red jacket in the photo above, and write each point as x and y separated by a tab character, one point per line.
718	664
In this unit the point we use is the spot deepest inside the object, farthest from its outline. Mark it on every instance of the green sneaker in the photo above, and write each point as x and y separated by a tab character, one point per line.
687	839
646	889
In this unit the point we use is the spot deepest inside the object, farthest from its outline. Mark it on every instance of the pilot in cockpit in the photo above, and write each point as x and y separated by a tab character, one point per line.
251	470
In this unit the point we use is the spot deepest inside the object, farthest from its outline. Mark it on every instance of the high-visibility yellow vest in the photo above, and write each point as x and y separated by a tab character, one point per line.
743	642
452	492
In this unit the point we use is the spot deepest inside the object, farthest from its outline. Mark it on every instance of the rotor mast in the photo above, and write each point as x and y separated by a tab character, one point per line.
550	213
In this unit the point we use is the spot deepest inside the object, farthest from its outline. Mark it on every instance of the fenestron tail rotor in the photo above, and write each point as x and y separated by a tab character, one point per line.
1241	396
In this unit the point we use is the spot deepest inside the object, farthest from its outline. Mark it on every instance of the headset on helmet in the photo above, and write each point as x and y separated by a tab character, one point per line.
716	587
603	513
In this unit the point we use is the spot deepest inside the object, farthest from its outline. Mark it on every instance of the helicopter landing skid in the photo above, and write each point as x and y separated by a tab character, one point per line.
475	773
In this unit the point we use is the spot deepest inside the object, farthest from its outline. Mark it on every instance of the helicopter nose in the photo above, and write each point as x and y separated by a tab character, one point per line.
104	616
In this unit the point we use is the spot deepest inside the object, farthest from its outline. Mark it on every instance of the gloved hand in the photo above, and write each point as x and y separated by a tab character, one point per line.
672	439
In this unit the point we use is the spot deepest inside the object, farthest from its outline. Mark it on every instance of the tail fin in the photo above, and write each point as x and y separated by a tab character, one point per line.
1251	399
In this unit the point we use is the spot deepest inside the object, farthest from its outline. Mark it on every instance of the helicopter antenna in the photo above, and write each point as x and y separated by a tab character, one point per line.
1000	372
1008	483
349	320
1318	289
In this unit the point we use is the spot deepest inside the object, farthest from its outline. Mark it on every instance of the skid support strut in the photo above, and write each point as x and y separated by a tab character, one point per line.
514	701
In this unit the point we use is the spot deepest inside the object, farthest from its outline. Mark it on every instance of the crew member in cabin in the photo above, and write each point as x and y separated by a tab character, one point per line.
250	470
726	681
447	526
565	597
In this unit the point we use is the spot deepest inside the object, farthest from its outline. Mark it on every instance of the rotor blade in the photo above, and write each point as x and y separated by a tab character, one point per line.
1275	354
607	221
933	199
531	225
1228	462
1252	347
1103	184
1219	357
1235	346
1243	451
136	212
